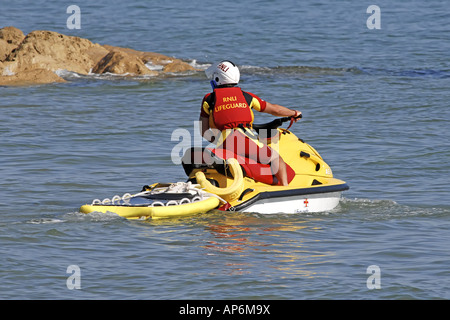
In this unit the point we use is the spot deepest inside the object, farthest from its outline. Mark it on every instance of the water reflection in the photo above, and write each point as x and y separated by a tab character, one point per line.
291	245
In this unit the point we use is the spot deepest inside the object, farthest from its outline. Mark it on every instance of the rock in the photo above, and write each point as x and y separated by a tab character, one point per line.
12	35
97	53
10	38
178	66
168	64
38	55
121	62
54	51
30	77
5	49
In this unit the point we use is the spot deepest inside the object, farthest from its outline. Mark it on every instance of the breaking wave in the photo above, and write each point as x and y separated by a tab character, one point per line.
389	208
251	70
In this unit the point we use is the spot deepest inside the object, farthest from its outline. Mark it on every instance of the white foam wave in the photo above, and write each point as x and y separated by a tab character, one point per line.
63	73
71	75
197	65
370	201
45	221
389	208
249	69
93	216
157	67
154	67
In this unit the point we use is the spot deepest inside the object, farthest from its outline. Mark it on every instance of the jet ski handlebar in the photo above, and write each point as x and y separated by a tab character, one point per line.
274	123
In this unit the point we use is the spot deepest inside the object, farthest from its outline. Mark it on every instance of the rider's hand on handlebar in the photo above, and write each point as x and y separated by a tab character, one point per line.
297	116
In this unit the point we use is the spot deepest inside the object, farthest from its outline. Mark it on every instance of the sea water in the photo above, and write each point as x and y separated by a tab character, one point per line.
375	106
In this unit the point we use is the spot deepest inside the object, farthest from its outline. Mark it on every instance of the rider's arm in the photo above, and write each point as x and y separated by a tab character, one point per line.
280	111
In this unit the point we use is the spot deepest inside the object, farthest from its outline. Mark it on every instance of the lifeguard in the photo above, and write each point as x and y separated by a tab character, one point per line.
230	109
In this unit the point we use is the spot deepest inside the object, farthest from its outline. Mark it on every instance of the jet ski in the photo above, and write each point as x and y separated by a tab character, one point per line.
248	186
220	179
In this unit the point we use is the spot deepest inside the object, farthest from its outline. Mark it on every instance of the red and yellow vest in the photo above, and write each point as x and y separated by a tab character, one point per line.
230	107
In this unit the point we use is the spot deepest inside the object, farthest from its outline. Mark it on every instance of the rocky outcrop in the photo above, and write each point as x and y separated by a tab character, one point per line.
41	53
53	51
121	62
167	64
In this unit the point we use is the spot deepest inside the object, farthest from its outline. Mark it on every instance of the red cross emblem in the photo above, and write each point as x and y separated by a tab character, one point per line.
306	202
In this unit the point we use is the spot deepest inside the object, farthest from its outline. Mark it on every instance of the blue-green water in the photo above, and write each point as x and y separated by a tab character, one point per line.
375	105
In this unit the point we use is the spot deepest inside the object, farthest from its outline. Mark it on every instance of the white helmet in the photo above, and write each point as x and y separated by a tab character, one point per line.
224	72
